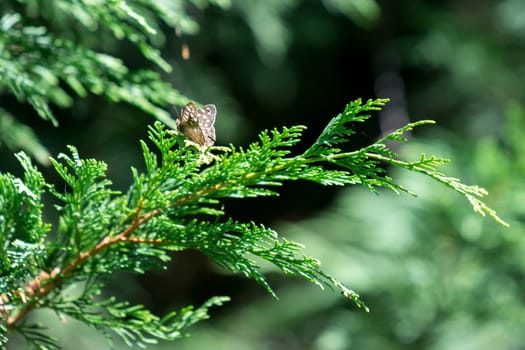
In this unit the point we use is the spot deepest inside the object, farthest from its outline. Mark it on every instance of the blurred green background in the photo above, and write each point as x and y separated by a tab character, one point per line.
434	274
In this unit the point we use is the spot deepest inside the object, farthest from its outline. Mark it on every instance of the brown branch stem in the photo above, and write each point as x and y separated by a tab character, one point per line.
52	281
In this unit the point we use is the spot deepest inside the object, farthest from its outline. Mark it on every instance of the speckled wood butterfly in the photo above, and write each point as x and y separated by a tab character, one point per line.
197	123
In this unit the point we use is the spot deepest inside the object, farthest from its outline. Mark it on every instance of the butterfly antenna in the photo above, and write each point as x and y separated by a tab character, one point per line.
174	107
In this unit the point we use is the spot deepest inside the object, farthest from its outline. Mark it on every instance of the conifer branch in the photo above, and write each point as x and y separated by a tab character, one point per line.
174	205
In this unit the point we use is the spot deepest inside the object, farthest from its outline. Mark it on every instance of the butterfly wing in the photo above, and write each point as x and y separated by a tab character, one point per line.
197	123
209	136
188	113
188	124
206	118
206	115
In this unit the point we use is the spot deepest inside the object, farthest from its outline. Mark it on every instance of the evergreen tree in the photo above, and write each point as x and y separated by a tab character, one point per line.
175	204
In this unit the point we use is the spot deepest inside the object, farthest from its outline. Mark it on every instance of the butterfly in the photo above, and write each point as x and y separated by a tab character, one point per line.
197	123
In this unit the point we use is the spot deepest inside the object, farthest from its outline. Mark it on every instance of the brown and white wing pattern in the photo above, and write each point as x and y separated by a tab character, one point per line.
197	123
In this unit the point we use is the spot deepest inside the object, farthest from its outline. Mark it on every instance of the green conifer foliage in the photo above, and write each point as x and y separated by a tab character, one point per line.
175	204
